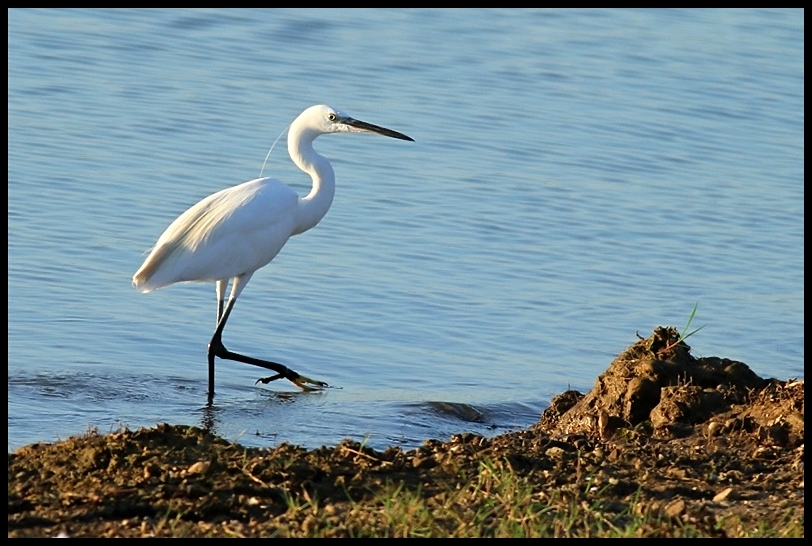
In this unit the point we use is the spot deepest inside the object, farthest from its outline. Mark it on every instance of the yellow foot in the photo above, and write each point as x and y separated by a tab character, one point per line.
307	384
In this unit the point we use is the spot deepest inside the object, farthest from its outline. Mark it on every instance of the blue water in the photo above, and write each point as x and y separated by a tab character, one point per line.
577	177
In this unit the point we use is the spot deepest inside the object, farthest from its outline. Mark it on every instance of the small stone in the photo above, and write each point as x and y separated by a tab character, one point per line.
675	508
199	467
554	452
723	495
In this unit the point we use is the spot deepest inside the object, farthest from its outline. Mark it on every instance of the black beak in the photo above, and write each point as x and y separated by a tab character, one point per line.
376	129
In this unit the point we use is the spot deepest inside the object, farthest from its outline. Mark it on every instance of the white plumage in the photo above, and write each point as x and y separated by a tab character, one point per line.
230	234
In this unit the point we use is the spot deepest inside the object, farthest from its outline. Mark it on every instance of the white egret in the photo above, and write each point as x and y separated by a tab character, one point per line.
230	234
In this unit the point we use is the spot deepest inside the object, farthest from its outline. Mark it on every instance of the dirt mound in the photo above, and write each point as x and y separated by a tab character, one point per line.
657	383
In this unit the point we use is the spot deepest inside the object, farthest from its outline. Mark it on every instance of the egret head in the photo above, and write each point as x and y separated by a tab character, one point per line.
322	119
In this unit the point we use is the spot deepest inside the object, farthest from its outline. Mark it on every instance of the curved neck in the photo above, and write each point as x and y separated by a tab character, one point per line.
314	206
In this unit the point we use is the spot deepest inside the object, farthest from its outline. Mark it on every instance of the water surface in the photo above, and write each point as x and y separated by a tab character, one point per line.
577	176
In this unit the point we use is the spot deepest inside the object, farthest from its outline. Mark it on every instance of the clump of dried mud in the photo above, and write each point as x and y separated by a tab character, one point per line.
701	441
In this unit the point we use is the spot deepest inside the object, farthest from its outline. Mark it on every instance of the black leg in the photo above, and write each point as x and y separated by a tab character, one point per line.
216	348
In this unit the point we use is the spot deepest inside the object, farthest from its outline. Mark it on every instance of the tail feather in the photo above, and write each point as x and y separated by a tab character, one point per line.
144	277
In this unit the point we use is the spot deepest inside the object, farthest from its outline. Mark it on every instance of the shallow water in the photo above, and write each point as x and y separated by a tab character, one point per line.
577	176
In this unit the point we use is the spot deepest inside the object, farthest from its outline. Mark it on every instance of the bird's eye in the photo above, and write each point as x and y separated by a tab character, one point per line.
331	116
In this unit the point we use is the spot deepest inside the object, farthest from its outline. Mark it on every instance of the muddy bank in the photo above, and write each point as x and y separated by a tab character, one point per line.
702	442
